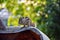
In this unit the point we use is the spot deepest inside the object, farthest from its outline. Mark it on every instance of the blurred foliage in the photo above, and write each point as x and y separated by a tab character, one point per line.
46	13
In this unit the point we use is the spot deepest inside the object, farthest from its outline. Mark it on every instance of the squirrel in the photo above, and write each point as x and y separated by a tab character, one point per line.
26	21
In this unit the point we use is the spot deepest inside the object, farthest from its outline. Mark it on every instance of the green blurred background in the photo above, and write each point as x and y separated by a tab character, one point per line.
45	13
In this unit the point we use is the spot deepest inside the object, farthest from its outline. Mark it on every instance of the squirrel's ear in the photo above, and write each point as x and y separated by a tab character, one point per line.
27	18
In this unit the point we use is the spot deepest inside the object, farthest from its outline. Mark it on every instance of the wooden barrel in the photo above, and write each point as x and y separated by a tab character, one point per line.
23	34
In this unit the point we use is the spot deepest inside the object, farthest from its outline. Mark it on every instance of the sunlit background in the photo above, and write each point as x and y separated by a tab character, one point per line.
44	13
